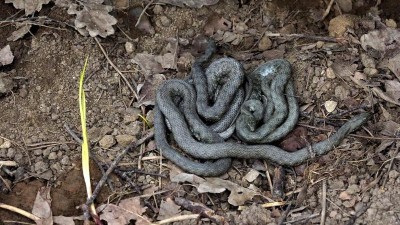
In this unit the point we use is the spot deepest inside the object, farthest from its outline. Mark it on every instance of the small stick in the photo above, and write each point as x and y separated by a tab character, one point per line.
323	203
177	218
8	163
203	210
312	37
20	211
116	69
328	9
271	187
143	12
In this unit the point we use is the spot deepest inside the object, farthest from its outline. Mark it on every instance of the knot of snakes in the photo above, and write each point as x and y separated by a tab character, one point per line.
203	111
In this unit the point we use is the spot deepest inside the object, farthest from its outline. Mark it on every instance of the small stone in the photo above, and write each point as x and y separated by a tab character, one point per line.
150	117
333	214
367	61
353	189
129	47
6	85
56	167
40	166
165	21
23	92
19	158
11	153
330	73
393	174
391	23
6	144
341	92
65	160
340	24
320	44
133	128
3	153
370	71
131	115
46	152
38	152
124	139
107	141
52	156
265	43
158	9
54	116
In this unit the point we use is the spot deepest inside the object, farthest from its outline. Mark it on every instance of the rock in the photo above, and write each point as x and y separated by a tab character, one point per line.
96	133
107	141
124	139
353	189
134	128
131	115
339	25
165	21
158	9
56	167
40	167
52	156
341	92
38	152
46	152
65	161
11	153
6	85
367	61
370	71
330	73
391	23
129	47
265	43
6	144
393	174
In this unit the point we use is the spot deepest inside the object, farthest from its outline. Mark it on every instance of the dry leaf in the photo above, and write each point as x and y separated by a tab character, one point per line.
330	106
30	6
216	22
167	61
394	65
42	207
187	177
126	210
295	140
251	175
66	220
190	3
390	128
168	209
23	28
148	89
6	56
238	196
381	40
148	63
94	18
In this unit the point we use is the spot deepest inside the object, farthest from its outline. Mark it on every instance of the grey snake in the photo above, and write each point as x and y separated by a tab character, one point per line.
205	109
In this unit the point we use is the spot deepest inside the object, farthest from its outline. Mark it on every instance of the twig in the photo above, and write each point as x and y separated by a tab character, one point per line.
114	164
271	187
19	211
352	135
323	203
143	12
177	218
8	163
306	36
116	69
327	10
391	163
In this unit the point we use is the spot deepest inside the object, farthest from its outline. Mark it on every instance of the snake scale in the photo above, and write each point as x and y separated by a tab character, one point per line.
204	110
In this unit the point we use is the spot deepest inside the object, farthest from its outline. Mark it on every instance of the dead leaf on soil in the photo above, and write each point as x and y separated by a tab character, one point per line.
390	128
23	28
126	210
295	140
394	65
381	40
94	19
392	93
238	196
30	6
6	56
186	177
147	90
168	209
42	207
147	63
216	22
66	220
190	3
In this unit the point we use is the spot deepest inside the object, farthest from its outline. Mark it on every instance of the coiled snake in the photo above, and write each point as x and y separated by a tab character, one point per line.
205	109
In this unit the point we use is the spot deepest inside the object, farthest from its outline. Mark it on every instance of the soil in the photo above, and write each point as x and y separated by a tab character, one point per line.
360	176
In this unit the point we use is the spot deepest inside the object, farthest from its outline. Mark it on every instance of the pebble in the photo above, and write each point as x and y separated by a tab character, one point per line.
11	153
19	158
165	21
353	189
265	43
134	128
6	144
129	47
65	160
56	167
131	115
330	73
41	166
52	156
393	174
38	152
158	9
341	92
367	61
3	153
124	139
107	141
46	152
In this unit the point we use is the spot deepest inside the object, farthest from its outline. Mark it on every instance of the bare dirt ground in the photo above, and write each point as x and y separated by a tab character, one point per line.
354	184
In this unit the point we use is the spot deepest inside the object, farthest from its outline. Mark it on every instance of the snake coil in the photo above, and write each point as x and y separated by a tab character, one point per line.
205	110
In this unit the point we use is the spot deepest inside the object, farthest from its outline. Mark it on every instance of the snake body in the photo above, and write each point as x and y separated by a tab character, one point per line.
215	104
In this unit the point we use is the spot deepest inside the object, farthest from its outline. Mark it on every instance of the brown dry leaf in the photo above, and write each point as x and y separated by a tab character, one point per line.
6	56
187	177
23	28
381	40
295	140
42	207
216	22
168	209
147	63
167	61
94	19
392	93
251	175
394	65
390	128
128	209
30	6
190	3
147	90
238	196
